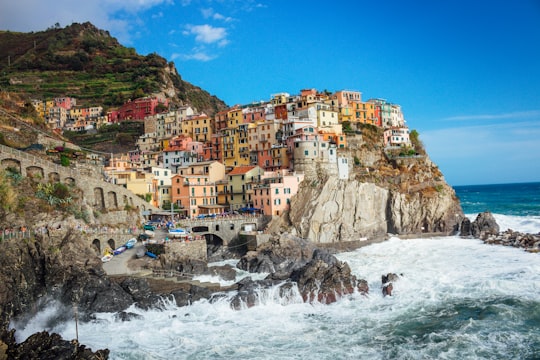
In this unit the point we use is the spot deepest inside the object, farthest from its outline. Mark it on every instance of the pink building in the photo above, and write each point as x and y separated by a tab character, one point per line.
274	193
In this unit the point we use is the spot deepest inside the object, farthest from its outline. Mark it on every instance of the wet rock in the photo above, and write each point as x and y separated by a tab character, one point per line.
140	292
45	346
465	227
126	316
249	292
279	257
387	286
387	289
325	279
225	272
484	225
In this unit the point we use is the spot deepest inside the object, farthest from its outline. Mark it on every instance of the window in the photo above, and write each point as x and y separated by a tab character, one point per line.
306	153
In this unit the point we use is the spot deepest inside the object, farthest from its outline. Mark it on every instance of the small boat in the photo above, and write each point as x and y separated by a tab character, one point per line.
107	258
131	243
120	250
177	232
151	254
149	233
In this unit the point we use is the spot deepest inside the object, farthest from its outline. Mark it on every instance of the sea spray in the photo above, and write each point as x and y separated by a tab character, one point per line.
457	298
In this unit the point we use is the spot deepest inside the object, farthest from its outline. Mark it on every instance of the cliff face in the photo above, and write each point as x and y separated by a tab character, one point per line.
384	194
350	210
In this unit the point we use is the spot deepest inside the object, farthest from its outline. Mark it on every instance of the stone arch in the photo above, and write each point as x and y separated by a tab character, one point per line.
35	172
112	200
111	244
125	200
69	181
97	244
214	243
53	177
99	200
11	163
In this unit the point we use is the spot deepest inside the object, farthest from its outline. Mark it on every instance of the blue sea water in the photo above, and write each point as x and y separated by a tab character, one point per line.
457	298
521	199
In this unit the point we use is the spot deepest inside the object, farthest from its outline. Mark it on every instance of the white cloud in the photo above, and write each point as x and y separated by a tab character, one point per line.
207	34
38	15
197	55
509	115
210	13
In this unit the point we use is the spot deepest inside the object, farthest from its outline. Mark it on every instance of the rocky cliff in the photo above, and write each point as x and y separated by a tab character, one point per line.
384	194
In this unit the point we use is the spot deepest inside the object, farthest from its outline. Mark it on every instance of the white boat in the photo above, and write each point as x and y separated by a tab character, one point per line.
177	232
149	233
107	258
131	243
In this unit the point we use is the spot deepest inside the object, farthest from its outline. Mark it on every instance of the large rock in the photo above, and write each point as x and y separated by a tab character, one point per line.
320	276
279	257
333	211
45	346
484	225
325	279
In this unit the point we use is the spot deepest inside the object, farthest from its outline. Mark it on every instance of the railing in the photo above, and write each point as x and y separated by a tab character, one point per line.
171	273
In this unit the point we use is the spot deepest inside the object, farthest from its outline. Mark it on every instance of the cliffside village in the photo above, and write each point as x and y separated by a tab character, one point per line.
248	158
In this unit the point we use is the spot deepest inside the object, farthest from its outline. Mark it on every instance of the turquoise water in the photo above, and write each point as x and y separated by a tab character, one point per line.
506	199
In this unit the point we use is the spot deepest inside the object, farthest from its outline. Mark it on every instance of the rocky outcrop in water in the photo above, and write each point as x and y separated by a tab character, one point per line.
484	225
387	283
325	279
485	228
528	242
319	275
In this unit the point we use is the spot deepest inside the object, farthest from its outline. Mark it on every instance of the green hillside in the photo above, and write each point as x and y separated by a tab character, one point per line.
84	62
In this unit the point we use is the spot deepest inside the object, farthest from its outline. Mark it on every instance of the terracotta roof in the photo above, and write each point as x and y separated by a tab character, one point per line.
241	170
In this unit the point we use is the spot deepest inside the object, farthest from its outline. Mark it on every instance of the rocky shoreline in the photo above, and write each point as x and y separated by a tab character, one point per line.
485	228
70	272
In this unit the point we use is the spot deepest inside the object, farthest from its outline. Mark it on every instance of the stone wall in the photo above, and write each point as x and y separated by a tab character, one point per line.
193	249
97	193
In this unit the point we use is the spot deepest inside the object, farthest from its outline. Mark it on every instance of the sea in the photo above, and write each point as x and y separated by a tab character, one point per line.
456	298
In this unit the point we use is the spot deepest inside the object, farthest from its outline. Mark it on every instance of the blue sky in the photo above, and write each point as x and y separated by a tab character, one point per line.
466	73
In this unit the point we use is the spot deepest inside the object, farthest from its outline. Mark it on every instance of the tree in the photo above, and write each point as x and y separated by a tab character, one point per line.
414	136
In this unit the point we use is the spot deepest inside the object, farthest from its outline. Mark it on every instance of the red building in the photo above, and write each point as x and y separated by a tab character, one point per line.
137	109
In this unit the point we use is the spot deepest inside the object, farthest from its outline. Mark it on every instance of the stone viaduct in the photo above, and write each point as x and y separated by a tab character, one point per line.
225	231
97	193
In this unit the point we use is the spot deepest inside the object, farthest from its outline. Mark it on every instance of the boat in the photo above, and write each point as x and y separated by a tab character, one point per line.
120	250
149	233
131	243
177	232
151	254
107	258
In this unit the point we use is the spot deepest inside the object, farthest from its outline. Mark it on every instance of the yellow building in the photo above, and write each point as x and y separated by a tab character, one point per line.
200	127
242	180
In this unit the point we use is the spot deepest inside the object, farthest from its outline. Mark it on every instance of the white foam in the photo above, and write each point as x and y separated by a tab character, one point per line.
437	273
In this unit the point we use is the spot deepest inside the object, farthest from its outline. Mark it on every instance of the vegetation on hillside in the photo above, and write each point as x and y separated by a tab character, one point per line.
86	63
26	197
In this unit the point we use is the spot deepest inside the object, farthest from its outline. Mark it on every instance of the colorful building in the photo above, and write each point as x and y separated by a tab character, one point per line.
274	192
